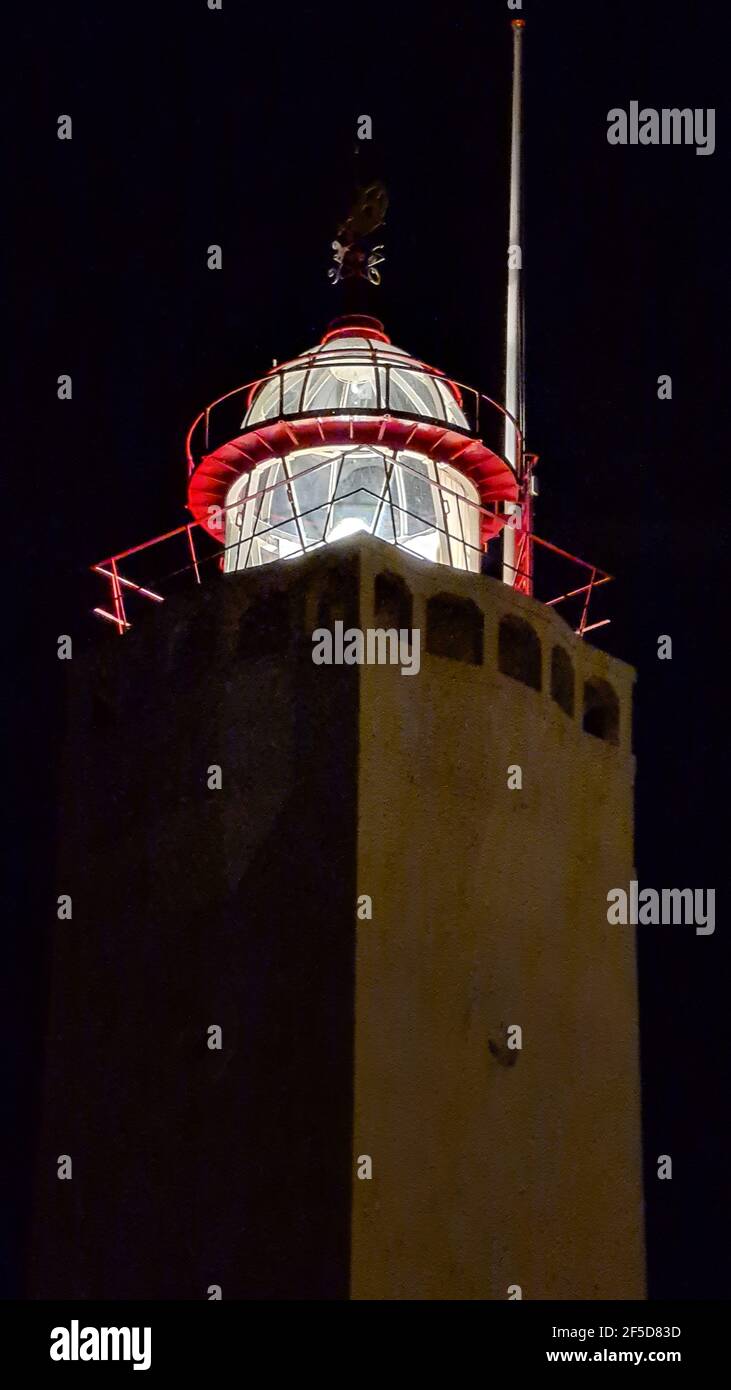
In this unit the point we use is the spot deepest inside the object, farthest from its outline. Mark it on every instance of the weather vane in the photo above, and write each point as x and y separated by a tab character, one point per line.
355	255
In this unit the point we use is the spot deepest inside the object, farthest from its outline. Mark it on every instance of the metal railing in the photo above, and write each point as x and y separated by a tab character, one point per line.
154	581
487	420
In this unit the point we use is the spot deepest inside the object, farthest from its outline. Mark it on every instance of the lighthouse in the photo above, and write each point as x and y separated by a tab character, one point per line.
340	1014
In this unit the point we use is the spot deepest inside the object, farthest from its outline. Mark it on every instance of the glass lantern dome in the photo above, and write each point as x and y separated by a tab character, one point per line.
313	496
352	373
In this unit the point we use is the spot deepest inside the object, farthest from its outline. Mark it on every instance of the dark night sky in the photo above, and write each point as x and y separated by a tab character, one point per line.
238	128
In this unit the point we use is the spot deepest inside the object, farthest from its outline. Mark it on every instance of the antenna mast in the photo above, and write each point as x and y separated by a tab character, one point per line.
517	558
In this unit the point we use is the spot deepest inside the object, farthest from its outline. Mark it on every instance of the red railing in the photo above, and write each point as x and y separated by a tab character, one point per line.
201	553
486	419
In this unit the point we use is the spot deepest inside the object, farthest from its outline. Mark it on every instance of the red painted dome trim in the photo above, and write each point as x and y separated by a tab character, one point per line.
211	480
355	326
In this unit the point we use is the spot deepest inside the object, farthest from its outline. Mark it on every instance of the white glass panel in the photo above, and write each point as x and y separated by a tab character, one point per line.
234	523
281	395
322	391
452	520
360	487
452	411
313	491
471	531
420	505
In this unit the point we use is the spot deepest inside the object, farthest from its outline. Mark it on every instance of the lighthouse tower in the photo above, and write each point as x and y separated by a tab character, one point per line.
339	1014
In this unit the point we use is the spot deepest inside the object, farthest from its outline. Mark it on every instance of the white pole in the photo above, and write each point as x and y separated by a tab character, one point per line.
513	328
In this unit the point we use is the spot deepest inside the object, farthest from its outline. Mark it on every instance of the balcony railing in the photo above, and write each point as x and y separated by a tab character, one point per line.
149	572
487	420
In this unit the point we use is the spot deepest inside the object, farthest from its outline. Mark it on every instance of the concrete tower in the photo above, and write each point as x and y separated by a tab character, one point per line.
229	807
338	1013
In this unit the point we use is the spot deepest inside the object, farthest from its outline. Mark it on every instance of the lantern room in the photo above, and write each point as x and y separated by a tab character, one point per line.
358	436
354	435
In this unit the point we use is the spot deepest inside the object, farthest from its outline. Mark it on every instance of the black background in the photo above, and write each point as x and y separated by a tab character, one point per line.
193	127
